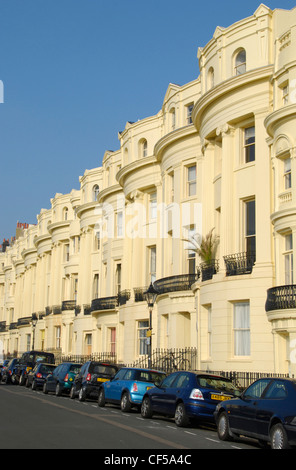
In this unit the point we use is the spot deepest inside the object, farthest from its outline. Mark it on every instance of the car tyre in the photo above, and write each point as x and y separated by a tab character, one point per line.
223	427
58	390
34	386
21	380
125	403
101	398
146	409
181	418
72	392
278	437
45	391
82	394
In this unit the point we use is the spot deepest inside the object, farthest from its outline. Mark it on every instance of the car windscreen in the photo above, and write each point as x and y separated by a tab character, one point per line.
75	368
149	376
47	368
103	369
218	383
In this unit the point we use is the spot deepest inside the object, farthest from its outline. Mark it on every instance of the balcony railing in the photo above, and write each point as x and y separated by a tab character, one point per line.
239	263
139	293
105	303
175	283
281	297
123	296
207	270
68	305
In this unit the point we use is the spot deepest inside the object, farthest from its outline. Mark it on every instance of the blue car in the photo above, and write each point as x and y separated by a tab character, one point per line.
266	411
37	377
128	387
188	395
62	378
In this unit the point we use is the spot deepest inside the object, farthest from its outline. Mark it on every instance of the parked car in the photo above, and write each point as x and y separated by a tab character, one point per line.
8	371
188	395
266	411
62	378
128	387
88	380
37	376
28	361
3	367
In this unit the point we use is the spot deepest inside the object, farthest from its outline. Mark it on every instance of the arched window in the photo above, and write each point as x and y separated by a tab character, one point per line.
95	192
210	78
240	62
143	148
65	213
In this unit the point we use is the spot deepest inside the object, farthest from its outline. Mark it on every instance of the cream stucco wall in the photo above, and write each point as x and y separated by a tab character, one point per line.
100	240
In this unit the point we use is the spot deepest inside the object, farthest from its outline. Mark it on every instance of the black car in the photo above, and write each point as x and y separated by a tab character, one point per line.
37	376
28	361
90	377
8	371
3	367
266	411
62	378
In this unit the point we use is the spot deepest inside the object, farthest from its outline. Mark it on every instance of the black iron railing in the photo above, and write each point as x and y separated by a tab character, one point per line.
123	297
68	305
281	297
239	263
170	360
139	293
175	283
104	303
207	270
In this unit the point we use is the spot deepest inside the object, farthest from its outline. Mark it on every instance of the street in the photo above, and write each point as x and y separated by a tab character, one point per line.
32	420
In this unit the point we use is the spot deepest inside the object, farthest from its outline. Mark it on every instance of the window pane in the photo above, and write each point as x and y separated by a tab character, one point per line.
241	324
250	218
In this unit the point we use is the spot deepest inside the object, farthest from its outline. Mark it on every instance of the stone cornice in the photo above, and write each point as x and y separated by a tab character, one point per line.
226	87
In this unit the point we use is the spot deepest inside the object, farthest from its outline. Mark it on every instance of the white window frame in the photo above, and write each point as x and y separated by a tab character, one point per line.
241	329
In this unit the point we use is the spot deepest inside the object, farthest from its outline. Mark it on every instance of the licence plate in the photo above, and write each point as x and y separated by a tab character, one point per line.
102	380
219	397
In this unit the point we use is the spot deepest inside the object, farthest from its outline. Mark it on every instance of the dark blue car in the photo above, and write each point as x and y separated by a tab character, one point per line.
266	411
188	395
37	376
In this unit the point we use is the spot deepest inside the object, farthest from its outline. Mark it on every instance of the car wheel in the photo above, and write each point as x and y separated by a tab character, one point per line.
72	392
21	380
27	385
181	418
101	398
45	388
34	385
125	403
223	427
146	410
82	394
278	437
58	390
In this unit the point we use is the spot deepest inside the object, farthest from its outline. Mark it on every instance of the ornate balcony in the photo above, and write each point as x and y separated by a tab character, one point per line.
123	297
175	283
105	303
281	297
239	263
68	305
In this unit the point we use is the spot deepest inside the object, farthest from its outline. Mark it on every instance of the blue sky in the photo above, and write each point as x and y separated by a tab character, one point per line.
75	71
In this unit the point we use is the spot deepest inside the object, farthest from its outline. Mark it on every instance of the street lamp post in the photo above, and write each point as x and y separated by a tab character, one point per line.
151	295
34	323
